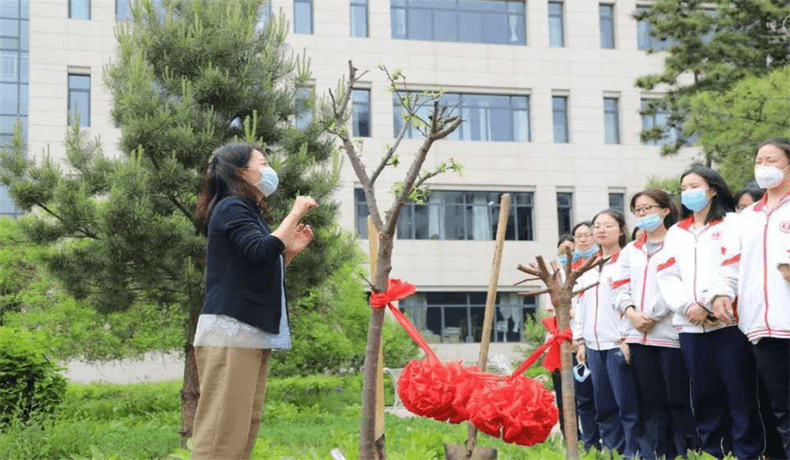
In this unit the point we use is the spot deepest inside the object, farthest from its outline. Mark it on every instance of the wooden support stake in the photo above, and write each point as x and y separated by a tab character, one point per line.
488	321
379	443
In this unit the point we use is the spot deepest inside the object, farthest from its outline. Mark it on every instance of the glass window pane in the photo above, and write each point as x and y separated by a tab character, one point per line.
303	17
9	27
361	112
24	35
422	228
79	82
79	106
9	66
23	99
617	201
475	128
560	117
9	43
398	22
420	24
517	31
122	10
24	65
521	126
9	98
359	21
496	28
9	9
470	27
556	33
611	120
445	26
607	26
79	9
499	124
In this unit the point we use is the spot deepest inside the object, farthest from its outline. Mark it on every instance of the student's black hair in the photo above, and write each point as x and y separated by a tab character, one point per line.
565	237
780	143
721	203
755	193
620	218
586	223
662	199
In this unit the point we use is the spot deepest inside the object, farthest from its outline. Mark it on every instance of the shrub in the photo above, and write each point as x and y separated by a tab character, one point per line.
29	382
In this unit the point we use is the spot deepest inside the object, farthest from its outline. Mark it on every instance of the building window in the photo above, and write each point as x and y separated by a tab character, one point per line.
556	32
656	120
454	317
472	21
559	109
80	99
617	201
361	112
565	212
361	213
264	16
462	215
645	41
359	18
303	16
611	115
304	111
79	9
487	117
123	9
607	25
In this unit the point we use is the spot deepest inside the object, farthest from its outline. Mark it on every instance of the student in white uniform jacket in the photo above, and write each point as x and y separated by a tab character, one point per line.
661	377
756	271
597	332
716	354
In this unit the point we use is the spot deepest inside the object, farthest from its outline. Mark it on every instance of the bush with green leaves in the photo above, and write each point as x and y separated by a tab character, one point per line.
30	383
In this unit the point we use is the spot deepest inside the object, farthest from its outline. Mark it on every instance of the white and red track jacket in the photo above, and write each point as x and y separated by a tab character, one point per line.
596	322
636	285
688	268
750	270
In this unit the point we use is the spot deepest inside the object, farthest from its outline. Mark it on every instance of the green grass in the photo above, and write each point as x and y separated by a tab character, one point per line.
303	419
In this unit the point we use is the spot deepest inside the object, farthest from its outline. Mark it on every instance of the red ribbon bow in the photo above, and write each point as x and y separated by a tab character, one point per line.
552	360
396	290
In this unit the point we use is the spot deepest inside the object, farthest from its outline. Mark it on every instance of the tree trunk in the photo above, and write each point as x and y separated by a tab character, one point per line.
190	392
367	428
563	308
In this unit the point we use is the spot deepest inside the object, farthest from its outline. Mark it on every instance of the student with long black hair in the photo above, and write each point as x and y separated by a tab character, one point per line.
716	353
244	313
599	338
661	377
756	271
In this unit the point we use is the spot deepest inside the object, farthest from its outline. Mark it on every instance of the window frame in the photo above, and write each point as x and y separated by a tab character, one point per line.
561	16
79	90
312	17
611	28
619	196
89	9
357	4
354	120
563	207
616	115
566	118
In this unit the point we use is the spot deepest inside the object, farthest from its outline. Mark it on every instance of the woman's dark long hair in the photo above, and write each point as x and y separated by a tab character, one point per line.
620	218
662	199
224	178
721	203
780	143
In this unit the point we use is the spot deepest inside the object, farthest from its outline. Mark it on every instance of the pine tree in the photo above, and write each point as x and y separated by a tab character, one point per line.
711	45
188	77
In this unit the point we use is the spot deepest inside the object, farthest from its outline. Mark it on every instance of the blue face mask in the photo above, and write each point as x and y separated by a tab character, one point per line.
269	181
588	253
694	199
581	372
562	260
649	223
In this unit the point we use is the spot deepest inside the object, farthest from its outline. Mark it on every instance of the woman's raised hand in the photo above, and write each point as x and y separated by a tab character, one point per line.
303	205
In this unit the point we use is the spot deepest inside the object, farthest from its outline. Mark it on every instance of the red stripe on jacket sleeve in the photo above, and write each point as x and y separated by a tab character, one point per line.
733	260
667	264
619	283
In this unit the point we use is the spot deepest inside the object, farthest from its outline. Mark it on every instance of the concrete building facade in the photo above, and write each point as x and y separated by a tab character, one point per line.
547	89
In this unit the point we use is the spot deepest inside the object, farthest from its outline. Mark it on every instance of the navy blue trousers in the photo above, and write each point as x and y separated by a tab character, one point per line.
585	409
724	392
773	363
616	401
663	385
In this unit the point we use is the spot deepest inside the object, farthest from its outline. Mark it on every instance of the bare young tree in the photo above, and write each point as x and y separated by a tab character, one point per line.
561	290
441	122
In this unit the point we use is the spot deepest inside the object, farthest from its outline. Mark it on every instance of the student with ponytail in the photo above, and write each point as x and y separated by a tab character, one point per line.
756	271
716	353
661	377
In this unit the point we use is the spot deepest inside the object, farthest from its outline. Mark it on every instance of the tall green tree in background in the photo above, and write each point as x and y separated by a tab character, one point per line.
711	45
187	78
731	123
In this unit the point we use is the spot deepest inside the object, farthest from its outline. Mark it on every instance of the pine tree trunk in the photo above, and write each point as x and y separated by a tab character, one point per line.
367	430
190	392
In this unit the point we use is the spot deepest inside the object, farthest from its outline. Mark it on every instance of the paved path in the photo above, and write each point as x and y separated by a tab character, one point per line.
153	367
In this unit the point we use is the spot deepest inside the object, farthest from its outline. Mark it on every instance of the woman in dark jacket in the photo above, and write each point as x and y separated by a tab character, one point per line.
244	314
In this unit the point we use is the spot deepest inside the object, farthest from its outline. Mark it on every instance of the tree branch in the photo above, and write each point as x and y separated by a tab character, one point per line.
585	288
385	160
83	231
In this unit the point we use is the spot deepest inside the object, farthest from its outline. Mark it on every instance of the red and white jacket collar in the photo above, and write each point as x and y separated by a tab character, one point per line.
686	223
760	205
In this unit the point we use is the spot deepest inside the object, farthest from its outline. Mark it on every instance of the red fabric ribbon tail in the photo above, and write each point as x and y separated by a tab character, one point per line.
413	332
552	361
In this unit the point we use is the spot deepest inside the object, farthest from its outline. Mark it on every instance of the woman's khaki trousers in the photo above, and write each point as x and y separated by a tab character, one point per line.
232	390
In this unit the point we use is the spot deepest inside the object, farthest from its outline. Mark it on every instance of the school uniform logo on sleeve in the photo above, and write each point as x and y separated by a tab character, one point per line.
785	226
